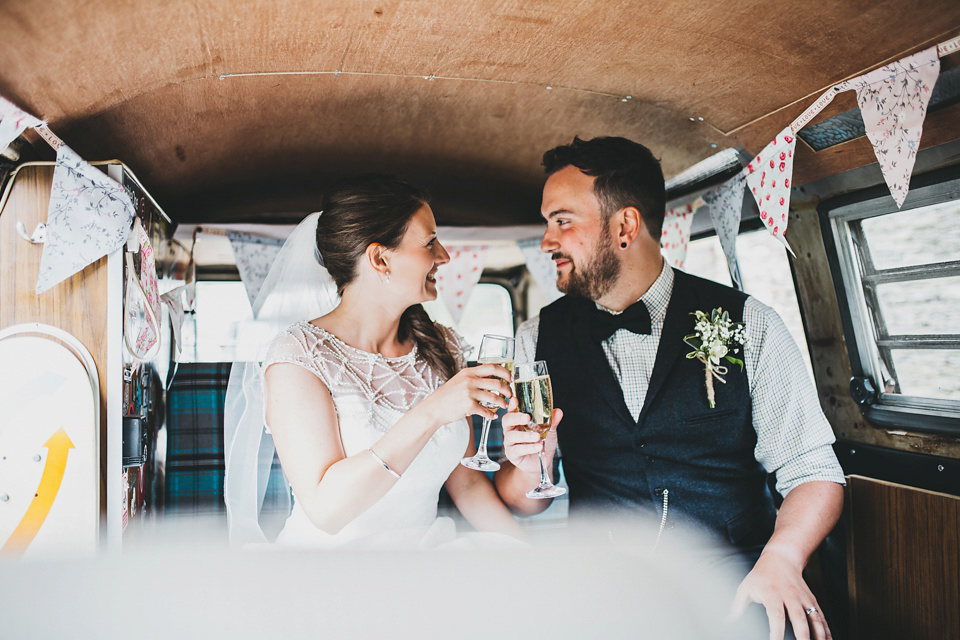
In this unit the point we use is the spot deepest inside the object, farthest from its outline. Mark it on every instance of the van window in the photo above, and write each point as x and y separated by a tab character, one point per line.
900	270
223	330
765	269
489	309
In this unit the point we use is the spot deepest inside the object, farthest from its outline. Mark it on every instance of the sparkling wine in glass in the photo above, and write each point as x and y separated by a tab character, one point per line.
493	350
531	384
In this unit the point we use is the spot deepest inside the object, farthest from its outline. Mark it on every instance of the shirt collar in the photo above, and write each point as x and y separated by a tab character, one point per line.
657	297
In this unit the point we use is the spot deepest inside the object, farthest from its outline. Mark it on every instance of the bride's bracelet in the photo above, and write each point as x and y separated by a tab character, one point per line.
385	465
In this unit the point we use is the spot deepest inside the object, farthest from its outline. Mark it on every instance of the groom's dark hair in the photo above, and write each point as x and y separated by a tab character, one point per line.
626	175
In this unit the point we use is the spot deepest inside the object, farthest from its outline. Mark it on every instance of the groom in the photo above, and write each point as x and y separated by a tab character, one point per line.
638	434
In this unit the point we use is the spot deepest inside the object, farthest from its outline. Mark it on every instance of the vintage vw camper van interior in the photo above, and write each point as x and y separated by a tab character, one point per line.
156	157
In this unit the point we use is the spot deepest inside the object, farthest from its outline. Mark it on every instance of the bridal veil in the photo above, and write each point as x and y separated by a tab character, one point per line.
297	287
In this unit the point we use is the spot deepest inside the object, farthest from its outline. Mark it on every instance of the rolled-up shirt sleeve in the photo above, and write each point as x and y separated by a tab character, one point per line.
794	437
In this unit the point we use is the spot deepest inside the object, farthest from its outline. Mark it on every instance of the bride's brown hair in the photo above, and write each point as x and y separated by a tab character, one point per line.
360	211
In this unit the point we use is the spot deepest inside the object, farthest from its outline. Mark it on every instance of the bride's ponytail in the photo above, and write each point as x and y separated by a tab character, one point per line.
368	209
430	340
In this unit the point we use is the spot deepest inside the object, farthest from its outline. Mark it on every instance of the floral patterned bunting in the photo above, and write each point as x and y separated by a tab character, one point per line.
769	177
893	102
254	255
541	267
13	122
174	301
456	279
89	217
190	289
148	335
726	209
675	236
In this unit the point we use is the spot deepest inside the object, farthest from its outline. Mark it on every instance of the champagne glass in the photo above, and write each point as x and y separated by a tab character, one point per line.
531	383
493	350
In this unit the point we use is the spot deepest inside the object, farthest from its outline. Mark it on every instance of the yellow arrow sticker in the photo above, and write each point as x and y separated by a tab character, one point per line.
58	446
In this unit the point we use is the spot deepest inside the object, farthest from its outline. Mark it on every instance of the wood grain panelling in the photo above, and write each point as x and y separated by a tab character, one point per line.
903	561
78	305
828	350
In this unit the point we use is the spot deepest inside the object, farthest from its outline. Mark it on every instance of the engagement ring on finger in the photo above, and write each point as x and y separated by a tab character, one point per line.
811	610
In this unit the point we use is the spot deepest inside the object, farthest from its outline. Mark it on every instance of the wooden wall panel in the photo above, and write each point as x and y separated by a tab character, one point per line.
903	561
78	305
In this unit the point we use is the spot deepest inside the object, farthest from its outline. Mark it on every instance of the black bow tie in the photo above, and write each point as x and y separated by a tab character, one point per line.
634	318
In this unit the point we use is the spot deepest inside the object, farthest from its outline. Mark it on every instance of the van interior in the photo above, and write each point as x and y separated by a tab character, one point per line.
226	122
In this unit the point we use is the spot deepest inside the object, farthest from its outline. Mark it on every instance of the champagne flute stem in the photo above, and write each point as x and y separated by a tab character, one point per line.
482	451
544	481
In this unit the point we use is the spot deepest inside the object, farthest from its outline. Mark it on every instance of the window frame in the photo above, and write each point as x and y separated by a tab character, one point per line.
511	279
928	415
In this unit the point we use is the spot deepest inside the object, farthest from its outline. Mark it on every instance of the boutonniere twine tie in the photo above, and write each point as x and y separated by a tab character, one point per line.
716	338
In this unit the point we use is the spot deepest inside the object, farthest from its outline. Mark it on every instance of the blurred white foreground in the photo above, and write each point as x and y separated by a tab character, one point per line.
607	584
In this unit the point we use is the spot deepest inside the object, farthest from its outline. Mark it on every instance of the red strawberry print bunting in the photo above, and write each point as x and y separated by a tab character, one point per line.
456	279
768	177
675	237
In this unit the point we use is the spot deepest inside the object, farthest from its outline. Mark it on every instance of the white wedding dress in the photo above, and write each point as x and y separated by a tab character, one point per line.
370	394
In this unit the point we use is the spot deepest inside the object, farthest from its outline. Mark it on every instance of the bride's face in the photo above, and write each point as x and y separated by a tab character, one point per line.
413	265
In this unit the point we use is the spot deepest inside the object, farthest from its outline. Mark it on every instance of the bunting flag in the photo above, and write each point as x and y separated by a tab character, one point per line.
149	334
893	102
541	267
675	237
174	302
89	217
769	176
13	122
726	208
190	289
456	279
254	254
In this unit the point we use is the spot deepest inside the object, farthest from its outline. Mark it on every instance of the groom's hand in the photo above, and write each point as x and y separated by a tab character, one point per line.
521	446
777	583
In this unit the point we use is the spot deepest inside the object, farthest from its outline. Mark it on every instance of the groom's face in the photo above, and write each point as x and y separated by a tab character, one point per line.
578	237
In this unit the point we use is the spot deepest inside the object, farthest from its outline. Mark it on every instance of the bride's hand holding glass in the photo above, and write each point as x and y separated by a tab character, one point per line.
467	392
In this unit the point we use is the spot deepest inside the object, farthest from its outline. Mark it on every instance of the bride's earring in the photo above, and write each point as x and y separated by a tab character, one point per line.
388	277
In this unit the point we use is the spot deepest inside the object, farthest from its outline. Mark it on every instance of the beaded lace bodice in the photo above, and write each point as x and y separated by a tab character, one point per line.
371	393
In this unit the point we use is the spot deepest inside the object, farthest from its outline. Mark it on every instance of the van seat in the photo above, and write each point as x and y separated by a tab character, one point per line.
195	450
194	463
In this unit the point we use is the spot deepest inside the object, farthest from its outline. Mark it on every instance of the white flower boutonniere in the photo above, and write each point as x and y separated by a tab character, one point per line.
716	338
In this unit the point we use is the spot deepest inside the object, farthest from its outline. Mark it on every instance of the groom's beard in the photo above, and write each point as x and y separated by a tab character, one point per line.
595	278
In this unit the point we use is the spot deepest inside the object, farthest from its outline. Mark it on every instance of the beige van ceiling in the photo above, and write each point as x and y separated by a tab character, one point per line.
230	110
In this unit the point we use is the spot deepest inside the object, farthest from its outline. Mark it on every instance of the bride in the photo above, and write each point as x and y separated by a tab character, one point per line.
367	404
